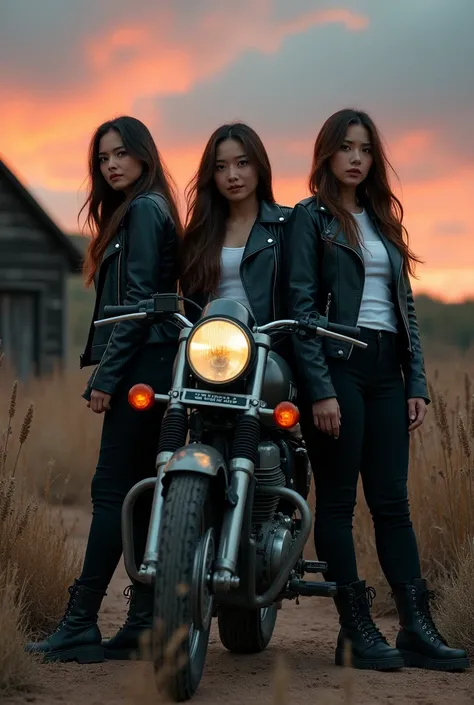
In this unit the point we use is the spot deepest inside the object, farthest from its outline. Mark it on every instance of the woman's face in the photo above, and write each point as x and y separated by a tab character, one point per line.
351	163
235	177
119	169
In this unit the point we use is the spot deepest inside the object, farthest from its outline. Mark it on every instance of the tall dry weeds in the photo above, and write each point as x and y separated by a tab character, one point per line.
36	558
63	444
17	670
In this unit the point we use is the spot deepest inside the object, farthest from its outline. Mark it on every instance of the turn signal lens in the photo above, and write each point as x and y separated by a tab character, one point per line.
141	397
286	414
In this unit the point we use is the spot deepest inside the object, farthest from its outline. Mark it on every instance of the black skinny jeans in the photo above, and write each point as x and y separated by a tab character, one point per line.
374	442
127	455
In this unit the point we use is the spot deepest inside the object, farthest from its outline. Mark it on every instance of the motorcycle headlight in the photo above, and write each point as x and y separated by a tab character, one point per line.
219	351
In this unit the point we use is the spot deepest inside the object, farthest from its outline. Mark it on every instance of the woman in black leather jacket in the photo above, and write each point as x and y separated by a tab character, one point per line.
234	233
133	254
348	260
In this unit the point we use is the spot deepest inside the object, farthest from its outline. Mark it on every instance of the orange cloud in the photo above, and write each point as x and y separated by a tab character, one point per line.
45	133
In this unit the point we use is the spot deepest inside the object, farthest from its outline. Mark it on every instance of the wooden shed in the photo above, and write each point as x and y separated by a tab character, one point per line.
36	257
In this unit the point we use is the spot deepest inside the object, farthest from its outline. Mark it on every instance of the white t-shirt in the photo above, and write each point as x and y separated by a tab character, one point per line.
377	310
230	286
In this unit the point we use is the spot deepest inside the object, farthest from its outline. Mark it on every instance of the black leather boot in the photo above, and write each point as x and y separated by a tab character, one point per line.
126	643
418	640
370	649
77	636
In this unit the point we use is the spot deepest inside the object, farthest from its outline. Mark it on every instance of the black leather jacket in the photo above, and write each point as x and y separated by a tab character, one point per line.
326	276
141	260
261	267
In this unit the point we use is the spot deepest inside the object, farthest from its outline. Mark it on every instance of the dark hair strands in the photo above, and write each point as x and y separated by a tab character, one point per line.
106	207
208	210
375	191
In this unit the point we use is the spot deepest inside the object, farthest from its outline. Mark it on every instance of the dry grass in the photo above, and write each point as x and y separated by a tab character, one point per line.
64	440
456	610
441	483
61	451
36	559
17	670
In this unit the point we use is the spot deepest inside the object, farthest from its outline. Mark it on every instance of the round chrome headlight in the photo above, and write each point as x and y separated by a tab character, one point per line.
219	351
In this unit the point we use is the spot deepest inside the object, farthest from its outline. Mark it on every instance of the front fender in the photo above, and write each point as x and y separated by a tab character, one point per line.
198	458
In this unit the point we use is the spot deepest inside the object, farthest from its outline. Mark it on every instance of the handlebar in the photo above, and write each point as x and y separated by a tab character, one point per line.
161	304
110	311
349	331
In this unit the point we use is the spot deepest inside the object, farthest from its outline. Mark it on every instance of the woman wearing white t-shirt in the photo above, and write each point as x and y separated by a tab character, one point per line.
234	231
348	259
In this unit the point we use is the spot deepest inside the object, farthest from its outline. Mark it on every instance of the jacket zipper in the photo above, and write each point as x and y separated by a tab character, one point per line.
328	305
275	280
119	301
247	293
405	322
348	247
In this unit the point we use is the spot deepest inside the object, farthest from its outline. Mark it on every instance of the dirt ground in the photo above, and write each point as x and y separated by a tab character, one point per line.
300	656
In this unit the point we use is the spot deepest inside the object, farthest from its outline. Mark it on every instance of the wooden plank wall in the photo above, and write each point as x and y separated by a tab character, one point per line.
29	258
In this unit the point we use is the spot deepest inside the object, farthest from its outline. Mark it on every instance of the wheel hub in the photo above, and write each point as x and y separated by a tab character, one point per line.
201	596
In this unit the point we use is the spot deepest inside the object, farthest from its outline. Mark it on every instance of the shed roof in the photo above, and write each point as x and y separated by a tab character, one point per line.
65	244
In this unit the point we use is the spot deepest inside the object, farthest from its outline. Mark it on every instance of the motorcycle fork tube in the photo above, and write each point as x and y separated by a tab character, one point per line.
241	470
147	571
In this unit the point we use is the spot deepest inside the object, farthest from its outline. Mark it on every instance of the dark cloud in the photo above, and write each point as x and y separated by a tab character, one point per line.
411	69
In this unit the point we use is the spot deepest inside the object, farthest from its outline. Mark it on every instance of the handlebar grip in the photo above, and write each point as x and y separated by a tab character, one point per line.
350	331
110	311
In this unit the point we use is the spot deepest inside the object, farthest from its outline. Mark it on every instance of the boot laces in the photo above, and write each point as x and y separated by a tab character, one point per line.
423	612
362	617
72	590
128	594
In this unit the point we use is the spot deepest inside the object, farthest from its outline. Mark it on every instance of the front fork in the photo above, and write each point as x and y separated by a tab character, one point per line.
241	470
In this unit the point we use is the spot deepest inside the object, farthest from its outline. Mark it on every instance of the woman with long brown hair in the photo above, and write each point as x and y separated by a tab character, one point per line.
133	254
349	260
234	231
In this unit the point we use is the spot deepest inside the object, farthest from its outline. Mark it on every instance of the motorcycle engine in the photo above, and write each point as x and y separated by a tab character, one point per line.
274	541
272	531
267	473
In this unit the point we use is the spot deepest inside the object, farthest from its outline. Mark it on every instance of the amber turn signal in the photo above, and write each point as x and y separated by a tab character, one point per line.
286	414
141	397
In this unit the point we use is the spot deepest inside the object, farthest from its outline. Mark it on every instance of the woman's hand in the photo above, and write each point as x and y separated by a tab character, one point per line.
416	412
327	416
99	401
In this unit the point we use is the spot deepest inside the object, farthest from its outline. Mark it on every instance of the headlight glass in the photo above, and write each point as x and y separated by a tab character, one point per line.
219	351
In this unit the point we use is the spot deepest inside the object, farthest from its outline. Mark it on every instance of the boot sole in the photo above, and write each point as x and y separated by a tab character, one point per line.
389	664
124	655
84	654
414	660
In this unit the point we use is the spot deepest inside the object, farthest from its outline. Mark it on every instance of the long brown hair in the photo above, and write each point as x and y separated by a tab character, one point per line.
374	192
106	207
208	210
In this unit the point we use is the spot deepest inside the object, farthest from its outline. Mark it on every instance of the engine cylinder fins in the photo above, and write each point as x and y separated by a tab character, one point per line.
268	473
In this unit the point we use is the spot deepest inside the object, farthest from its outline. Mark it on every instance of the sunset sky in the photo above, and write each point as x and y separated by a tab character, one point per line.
283	66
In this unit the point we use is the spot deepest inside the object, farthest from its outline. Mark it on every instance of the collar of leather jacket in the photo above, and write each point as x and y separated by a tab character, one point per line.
331	231
272	213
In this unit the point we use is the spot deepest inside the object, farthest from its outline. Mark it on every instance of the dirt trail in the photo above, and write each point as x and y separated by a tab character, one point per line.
304	637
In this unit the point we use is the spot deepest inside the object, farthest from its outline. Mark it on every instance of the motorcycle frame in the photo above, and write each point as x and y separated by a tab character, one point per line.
236	549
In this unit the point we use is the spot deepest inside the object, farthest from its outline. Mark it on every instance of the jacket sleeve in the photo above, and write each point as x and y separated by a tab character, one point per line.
414	370
145	238
302	275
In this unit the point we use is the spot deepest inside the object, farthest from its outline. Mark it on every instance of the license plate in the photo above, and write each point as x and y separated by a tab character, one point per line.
196	396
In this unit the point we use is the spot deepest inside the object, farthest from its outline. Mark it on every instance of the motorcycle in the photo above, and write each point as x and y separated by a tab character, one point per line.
232	474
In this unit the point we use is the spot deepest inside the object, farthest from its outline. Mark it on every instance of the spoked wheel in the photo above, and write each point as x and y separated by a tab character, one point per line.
246	631
183	602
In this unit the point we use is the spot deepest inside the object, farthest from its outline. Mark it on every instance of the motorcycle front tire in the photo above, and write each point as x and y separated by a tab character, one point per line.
179	651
